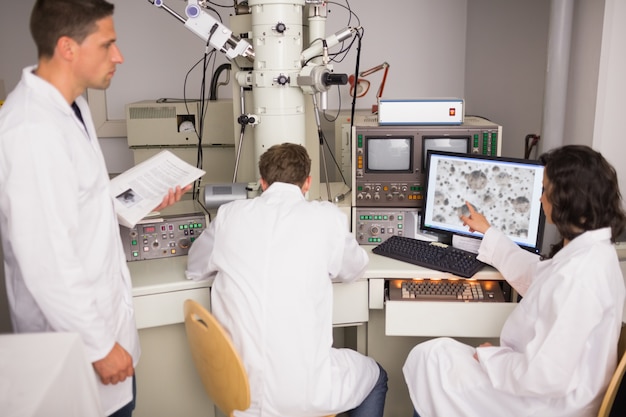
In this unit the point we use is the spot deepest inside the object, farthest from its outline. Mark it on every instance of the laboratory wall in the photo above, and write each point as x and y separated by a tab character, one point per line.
505	66
485	51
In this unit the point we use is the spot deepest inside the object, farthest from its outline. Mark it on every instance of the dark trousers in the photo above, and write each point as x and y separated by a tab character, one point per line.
127	410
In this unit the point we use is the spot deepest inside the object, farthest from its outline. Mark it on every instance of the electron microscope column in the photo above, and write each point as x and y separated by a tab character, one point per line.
277	34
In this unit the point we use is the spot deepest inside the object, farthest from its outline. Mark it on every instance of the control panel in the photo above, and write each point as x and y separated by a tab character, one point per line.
163	236
373	226
389	193
390	161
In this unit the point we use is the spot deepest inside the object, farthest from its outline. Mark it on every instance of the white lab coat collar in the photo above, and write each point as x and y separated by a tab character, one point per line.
583	241
283	190
55	97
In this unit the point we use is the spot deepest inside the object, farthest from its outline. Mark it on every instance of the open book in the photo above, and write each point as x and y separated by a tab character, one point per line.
139	190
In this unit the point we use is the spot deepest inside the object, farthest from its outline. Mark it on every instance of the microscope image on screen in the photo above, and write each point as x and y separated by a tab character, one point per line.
501	193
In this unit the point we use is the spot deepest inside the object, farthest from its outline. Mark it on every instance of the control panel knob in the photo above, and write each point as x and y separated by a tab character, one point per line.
394	189
368	197
376	197
404	188
282	79
281	27
359	196
375	230
400	197
367	188
389	197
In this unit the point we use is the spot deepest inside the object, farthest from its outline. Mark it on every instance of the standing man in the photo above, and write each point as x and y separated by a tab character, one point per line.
64	263
272	260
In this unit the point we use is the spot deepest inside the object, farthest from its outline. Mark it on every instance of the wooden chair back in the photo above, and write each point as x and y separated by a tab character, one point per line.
220	367
222	372
609	397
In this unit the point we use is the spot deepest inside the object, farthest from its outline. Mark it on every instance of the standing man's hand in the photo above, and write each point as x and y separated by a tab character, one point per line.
115	367
172	197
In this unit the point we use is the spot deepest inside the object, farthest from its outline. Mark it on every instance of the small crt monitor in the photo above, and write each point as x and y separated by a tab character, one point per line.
507	191
457	144
389	154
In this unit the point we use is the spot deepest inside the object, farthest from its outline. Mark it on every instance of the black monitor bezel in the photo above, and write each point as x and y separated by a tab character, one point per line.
427	195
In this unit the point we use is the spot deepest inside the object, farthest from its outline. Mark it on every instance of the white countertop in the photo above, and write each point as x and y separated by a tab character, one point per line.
384	267
158	276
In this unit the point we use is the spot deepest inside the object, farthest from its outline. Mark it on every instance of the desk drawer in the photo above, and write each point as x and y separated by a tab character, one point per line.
166	308
350	303
445	318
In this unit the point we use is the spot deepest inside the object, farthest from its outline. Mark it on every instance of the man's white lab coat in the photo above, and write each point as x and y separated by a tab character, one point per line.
272	259
64	263
558	348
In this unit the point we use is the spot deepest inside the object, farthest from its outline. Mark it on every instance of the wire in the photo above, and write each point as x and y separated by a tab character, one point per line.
530	141
214	80
222	5
356	80
349	9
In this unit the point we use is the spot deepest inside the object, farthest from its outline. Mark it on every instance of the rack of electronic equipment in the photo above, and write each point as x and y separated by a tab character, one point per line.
389	164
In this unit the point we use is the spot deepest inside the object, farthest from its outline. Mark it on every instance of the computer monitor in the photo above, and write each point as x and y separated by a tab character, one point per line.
506	191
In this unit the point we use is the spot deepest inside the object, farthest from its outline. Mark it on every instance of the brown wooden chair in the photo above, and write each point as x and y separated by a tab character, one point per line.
609	397
220	367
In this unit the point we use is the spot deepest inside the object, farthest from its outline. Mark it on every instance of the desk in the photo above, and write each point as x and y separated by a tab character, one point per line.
167	382
428	318
46	374
160	287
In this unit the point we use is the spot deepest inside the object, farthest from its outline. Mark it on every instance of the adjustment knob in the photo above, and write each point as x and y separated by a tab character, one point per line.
280	27
282	79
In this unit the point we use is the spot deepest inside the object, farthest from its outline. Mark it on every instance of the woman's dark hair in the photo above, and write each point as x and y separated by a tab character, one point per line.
52	19
583	191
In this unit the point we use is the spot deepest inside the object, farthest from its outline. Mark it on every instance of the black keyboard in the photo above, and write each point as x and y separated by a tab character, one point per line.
433	255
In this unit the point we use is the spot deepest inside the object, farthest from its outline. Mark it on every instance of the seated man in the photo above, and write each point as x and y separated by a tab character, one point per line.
272	260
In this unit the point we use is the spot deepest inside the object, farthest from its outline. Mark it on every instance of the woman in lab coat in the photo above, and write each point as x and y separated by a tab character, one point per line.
558	347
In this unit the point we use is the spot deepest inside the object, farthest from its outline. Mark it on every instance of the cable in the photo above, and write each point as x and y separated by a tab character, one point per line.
215	79
530	141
